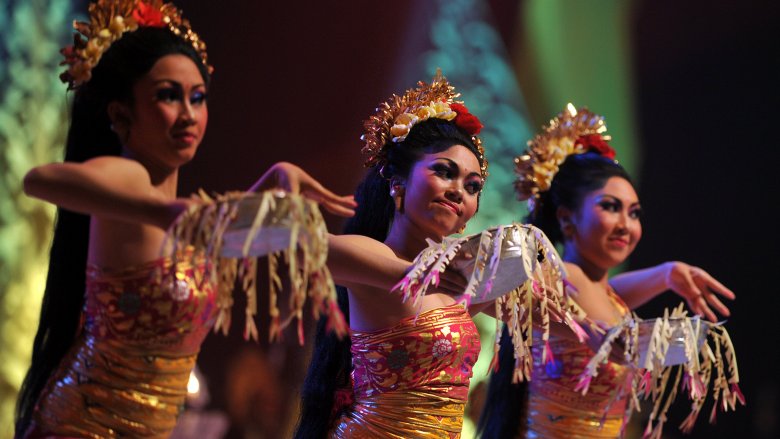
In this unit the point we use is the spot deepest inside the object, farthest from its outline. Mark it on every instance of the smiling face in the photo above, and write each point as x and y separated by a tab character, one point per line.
168	116
442	191
605	229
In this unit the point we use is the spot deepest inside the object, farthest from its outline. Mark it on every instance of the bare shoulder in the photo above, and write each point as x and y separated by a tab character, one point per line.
575	273
119	167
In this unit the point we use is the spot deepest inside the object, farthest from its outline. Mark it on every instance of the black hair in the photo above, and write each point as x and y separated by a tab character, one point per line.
331	362
578	175
89	136
506	404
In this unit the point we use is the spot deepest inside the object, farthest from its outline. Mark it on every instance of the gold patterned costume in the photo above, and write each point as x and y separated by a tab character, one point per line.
126	373
412	380
557	410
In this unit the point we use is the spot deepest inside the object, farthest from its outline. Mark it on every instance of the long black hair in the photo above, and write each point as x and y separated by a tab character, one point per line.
331	362
89	136
506	403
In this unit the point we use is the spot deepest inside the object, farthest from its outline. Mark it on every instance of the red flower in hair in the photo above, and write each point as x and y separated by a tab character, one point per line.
148	16
69	52
596	143
465	120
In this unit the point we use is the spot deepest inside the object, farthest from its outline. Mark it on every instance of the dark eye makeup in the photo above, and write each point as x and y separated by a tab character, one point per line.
448	170
173	92
610	204
443	169
168	94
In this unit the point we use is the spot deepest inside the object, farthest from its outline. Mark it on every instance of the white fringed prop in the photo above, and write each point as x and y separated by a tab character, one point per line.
667	352
517	267
232	230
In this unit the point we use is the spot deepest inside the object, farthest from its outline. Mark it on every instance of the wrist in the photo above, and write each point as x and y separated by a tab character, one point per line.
667	269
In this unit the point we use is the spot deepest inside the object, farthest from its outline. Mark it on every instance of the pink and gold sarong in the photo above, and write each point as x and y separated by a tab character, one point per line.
556	410
126	373
412	380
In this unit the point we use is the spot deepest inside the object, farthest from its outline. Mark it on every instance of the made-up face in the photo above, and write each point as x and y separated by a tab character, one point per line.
442	191
606	227
168	116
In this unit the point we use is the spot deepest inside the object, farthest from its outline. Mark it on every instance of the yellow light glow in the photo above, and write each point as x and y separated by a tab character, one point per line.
193	385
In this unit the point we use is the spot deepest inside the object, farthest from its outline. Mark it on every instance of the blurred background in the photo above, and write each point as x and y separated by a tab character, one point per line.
689	91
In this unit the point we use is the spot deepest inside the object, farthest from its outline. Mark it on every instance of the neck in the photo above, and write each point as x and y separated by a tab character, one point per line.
167	184
406	239
594	272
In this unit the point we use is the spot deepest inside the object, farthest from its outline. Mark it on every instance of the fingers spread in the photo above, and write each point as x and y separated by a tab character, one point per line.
689	288
717	304
717	287
705	310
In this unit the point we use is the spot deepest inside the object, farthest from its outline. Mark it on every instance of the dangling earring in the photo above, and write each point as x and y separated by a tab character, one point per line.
462	229
397	194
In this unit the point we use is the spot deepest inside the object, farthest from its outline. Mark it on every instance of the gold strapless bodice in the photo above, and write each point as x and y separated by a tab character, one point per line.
412	380
126	373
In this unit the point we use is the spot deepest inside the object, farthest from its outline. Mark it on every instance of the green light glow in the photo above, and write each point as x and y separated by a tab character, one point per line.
471	54
586	67
32	129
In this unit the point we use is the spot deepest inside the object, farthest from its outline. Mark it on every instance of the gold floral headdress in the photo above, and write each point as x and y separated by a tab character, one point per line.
108	21
395	118
571	132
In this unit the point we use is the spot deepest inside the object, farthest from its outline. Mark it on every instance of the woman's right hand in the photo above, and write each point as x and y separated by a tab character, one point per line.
291	178
699	289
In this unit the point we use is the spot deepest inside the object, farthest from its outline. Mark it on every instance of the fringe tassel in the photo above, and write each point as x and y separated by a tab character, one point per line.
203	227
542	290
713	362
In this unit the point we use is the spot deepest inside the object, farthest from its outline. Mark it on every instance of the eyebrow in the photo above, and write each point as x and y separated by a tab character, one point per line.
455	165
635	203
176	83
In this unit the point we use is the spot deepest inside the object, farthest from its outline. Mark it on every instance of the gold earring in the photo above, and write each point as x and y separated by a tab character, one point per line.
398	197
462	229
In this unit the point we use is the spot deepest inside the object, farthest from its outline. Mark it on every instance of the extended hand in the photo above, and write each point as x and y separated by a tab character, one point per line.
699	289
291	178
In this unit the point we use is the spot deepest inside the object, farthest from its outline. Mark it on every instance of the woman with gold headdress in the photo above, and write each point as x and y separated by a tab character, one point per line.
405	370
116	344
582	198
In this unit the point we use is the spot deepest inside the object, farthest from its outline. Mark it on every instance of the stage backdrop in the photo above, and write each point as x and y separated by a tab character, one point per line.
689	91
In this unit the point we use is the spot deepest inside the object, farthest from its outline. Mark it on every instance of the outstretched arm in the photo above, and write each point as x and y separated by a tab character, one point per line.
696	286
360	260
293	179
109	187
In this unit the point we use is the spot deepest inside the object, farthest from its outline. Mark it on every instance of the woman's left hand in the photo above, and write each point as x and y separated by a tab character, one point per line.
291	178
699	289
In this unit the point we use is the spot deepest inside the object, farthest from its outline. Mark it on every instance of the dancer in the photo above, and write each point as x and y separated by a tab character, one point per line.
411	372
581	197
115	344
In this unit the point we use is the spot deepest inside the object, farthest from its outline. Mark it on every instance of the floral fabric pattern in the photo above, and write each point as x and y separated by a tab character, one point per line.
126	373
412	380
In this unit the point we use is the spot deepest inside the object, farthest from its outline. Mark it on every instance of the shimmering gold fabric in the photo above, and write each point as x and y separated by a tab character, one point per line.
126	374
555	410
412	380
